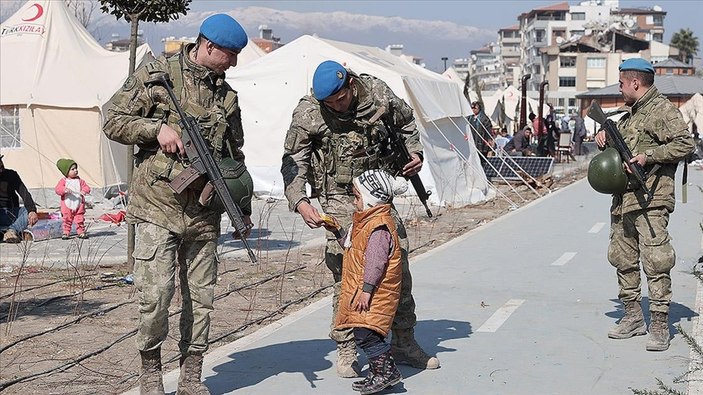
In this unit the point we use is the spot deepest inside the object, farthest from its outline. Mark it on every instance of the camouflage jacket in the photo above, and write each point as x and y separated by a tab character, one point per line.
135	117
322	147
654	126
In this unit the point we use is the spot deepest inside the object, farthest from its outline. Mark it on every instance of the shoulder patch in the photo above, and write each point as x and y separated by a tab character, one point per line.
129	84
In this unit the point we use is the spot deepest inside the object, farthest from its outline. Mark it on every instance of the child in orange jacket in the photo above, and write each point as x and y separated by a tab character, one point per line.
72	190
371	275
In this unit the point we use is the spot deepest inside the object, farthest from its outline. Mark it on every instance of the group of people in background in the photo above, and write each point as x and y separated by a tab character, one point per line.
16	220
538	138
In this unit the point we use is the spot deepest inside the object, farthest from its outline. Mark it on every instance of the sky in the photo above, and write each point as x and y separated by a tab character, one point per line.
427	29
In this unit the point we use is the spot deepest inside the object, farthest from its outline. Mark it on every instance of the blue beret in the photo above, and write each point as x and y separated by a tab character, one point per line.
637	64
328	79
224	31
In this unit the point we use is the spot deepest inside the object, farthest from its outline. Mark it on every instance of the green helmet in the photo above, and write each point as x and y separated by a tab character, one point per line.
239	184
606	173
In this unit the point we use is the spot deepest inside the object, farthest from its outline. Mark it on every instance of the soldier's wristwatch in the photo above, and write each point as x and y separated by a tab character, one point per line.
650	155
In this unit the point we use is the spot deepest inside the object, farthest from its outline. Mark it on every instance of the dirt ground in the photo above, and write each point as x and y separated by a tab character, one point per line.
72	331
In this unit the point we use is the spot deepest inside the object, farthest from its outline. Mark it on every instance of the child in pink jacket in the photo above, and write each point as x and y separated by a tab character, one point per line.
72	191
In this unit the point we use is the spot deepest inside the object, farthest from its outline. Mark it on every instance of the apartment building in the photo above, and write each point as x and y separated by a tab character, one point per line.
509	43
486	68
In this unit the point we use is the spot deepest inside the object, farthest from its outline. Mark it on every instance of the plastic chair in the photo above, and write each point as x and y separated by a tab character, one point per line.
564	146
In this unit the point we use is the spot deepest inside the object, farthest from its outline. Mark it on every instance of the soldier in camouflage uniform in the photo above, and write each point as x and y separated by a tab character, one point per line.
174	231
335	136
655	132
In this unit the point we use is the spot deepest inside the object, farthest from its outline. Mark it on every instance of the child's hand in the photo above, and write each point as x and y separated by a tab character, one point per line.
331	223
363	303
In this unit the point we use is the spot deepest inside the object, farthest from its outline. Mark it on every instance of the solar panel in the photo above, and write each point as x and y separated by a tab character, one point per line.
508	167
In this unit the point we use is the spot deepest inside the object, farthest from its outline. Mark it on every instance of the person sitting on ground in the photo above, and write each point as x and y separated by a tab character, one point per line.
372	265
12	215
72	190
520	143
502	139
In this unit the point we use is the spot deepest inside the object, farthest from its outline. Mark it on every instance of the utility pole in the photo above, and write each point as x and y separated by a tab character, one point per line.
444	58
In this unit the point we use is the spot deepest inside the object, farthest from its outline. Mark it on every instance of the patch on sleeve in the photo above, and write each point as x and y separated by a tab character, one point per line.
129	84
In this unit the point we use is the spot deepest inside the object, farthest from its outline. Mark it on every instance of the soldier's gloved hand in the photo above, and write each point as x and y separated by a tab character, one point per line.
414	166
169	141
310	215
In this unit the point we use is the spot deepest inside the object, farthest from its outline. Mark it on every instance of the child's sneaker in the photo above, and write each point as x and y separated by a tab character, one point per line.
66	237
83	235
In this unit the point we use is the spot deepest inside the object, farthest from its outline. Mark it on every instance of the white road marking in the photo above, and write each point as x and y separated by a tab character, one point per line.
597	227
500	316
565	257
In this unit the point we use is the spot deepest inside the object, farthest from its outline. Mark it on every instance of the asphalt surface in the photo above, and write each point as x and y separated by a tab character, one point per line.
519	306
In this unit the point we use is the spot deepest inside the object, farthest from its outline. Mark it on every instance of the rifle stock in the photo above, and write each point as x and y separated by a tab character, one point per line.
202	163
611	130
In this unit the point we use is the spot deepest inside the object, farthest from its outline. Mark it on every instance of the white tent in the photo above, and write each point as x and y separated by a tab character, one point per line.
692	111
54	81
504	103
270	88
249	53
453	76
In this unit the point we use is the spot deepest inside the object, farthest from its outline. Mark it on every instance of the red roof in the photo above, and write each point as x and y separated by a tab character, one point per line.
509	28
564	6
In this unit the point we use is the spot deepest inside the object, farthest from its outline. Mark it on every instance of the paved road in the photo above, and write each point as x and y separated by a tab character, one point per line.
519	306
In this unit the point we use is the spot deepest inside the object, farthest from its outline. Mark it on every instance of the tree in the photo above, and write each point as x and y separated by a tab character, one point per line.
82	9
687	44
134	11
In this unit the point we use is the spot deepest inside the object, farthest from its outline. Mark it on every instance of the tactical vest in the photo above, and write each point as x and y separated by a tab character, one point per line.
349	147
213	121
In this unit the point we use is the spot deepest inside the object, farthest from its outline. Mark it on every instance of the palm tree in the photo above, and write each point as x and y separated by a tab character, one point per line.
687	44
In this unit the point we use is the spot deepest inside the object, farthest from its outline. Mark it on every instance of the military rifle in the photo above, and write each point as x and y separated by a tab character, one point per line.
201	163
611	130
402	157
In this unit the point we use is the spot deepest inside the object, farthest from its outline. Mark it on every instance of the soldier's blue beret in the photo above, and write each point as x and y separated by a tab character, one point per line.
224	31
637	64
328	79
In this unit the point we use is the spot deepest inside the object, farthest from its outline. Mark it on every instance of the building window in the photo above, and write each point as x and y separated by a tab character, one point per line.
595	63
567	81
10	127
658	20
567	61
658	37
572	102
539	35
669	71
578	16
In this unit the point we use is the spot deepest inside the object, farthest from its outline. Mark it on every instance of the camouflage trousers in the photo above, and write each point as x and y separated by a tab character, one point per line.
157	255
341	207
642	236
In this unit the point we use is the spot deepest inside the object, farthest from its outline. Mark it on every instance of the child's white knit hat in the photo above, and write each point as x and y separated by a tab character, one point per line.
379	187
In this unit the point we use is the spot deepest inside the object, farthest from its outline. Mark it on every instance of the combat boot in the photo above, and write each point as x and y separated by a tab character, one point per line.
189	380
632	324
150	381
347	365
382	374
406	351
658	332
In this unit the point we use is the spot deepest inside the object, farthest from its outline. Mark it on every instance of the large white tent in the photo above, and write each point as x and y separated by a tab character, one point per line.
54	81
270	88
692	111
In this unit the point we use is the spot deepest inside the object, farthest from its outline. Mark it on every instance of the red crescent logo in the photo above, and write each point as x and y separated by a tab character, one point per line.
40	12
